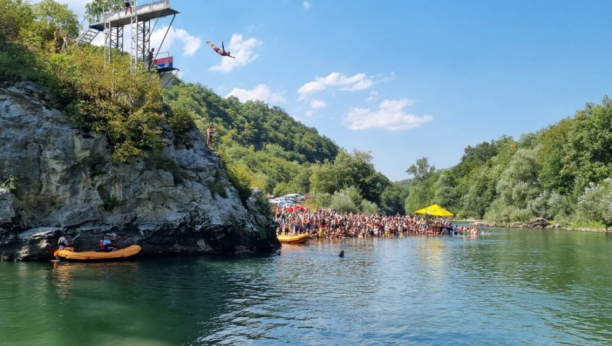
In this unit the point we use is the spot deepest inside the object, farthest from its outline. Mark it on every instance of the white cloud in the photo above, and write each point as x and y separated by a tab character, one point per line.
389	115
373	96
316	104
335	79
243	50
261	92
191	44
309	114
306	5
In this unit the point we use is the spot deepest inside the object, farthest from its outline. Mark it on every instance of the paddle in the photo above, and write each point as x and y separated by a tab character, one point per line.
57	260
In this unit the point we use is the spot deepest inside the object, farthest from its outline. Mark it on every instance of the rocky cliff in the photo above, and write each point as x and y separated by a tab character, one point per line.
57	179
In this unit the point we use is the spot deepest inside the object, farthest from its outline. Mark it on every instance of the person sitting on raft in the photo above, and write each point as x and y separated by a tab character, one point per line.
221	51
106	244
65	243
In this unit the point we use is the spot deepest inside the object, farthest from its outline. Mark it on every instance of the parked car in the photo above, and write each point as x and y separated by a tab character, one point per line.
280	200
295	197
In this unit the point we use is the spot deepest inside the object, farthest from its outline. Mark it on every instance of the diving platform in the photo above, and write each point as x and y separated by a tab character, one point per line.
144	13
138	21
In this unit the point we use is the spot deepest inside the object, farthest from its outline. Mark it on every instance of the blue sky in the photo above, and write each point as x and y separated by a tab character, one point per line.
402	79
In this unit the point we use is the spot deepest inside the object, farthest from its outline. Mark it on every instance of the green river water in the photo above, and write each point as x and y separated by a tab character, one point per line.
513	287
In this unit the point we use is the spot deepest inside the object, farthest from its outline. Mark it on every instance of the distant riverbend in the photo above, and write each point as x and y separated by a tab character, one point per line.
515	286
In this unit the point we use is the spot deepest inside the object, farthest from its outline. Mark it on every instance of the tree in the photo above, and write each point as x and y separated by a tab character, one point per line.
95	8
421	170
14	16
48	15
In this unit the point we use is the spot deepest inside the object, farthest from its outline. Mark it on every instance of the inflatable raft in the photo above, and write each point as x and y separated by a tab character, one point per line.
293	239
128	252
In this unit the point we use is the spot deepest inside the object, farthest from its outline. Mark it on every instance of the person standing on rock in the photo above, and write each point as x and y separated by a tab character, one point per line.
66	42
210	131
58	44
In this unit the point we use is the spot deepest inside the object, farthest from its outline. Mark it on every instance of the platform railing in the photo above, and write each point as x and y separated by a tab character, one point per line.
140	9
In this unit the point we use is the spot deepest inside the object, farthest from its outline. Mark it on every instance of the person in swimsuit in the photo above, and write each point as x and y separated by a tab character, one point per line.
221	51
210	131
128	7
58	44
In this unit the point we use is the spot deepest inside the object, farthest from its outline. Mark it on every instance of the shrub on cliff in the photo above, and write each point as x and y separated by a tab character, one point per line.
111	97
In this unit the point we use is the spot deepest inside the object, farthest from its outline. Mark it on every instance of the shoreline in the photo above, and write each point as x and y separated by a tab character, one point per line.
533	224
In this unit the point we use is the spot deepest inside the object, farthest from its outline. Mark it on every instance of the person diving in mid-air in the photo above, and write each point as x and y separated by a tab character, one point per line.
221	51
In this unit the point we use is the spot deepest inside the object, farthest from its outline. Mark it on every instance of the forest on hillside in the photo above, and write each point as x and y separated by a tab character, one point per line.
561	173
268	149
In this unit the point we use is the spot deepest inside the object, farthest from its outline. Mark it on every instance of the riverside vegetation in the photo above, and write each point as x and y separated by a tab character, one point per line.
561	173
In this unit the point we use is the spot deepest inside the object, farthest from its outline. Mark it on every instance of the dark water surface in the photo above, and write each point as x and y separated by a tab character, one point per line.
515	287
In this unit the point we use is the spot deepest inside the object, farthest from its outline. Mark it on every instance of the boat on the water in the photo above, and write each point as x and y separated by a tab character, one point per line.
120	254
293	239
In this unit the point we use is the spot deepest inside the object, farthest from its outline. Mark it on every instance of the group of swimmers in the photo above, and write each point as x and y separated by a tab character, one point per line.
329	224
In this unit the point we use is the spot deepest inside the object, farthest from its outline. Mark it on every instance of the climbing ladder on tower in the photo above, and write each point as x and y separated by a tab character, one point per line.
88	36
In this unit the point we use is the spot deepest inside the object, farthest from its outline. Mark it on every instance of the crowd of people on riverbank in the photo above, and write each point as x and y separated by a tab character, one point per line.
329	224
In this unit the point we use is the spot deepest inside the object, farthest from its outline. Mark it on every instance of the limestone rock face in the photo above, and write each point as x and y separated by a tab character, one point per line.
57	179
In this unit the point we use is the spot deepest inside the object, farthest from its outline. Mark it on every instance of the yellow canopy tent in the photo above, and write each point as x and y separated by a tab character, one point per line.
435	210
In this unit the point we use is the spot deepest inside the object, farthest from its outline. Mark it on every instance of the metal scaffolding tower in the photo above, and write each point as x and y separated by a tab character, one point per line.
112	25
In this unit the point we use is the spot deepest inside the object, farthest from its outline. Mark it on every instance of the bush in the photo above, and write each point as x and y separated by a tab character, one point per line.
539	206
122	102
559	206
342	203
318	200
596	203
368	207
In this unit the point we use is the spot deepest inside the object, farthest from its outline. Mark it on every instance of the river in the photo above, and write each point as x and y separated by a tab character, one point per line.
512	287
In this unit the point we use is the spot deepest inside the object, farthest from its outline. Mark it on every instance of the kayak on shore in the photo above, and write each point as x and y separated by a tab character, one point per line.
126	253
293	239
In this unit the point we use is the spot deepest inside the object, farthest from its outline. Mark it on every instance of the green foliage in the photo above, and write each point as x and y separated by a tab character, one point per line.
421	170
14	15
238	175
112	98
95	8
216	186
348	170
252	124
560	173
181	121
342	202
45	16
368	207
392	199
10	184
318	200
110	204
596	203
